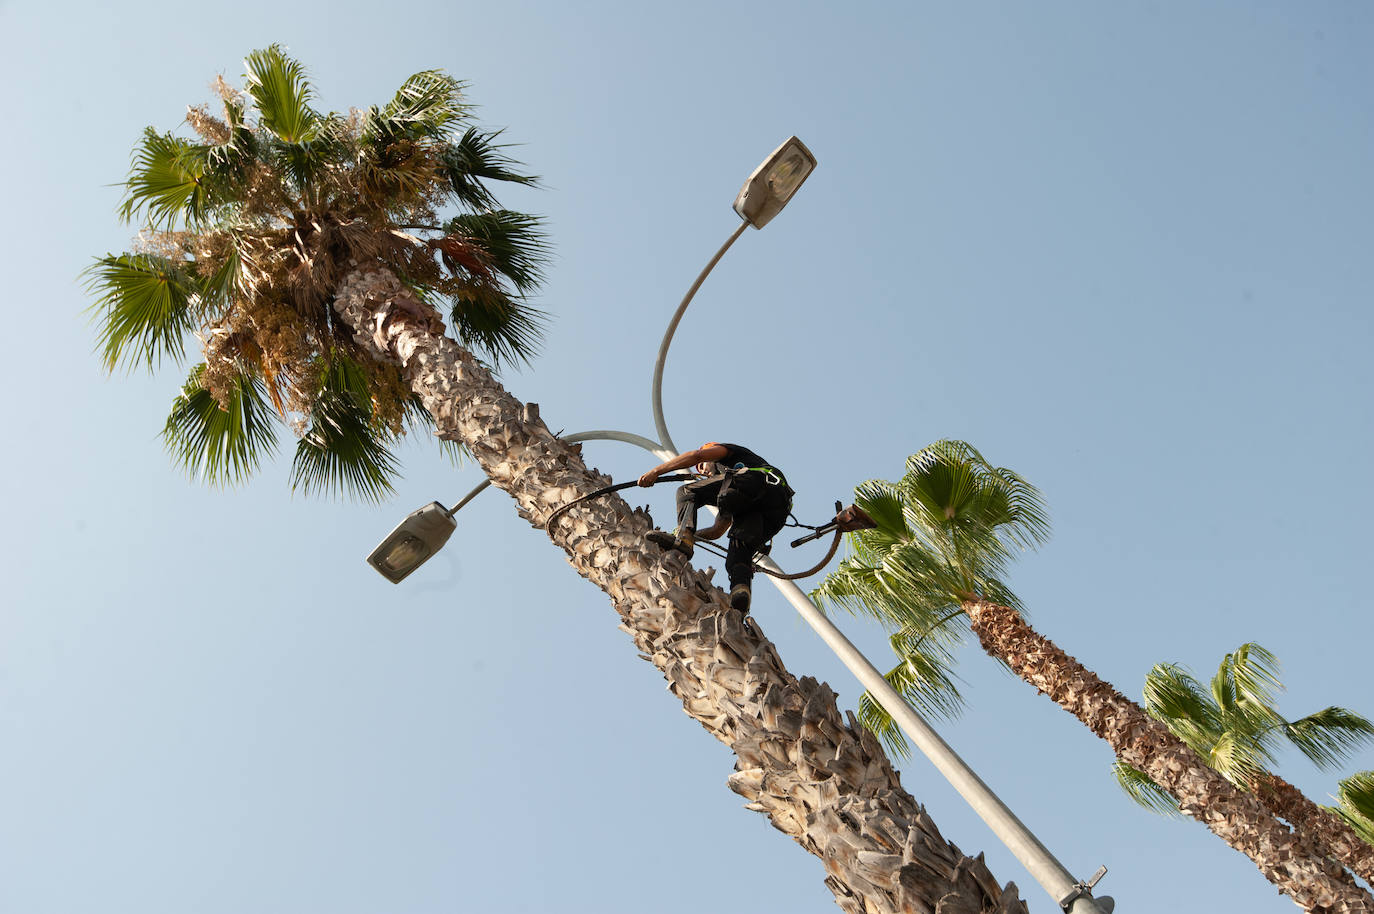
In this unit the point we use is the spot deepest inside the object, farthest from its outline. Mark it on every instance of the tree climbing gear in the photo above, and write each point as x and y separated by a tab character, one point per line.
607	490
846	520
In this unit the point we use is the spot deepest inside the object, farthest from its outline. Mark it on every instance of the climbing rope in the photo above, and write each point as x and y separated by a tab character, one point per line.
607	490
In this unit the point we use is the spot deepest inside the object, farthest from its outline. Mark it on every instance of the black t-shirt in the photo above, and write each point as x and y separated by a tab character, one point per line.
738	457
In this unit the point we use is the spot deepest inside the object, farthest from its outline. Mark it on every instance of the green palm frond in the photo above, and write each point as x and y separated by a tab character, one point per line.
282	94
986	512
852	587
503	328
1172	693
1329	736
1248	676
1237	757
883	503
427	105
305	163
918	580
474	159
220	444
144	306
515	244
166	184
1356	798
878	722
1144	791
344	450
924	679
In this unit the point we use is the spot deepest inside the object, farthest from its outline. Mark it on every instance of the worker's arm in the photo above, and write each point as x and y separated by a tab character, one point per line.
716	530
710	453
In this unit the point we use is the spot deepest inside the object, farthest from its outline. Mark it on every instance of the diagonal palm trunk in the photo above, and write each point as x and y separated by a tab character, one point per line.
1288	861
821	780
1327	830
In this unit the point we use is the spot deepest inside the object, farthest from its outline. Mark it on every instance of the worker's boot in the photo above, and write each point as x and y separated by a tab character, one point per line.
670	541
739	598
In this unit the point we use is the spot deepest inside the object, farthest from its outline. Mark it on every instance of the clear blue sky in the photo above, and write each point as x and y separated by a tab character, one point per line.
1122	248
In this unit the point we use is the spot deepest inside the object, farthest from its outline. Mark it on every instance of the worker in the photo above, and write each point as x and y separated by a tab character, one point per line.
751	496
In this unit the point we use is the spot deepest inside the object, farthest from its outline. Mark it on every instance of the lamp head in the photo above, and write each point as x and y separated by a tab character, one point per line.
774	183
414	540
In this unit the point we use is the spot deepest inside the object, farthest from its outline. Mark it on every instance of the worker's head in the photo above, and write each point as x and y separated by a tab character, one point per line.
706	468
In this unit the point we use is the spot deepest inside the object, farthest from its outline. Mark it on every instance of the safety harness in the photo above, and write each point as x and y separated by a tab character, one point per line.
845	520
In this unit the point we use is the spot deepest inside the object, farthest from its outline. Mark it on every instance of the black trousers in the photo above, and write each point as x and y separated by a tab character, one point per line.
759	511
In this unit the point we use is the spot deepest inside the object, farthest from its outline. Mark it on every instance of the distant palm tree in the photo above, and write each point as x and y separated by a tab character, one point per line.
934	568
312	254
1234	724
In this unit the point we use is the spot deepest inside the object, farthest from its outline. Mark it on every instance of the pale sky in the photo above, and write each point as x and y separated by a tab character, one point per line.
1121	248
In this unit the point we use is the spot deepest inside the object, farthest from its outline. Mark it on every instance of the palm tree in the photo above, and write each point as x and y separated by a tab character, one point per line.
1234	724
310	255
936	562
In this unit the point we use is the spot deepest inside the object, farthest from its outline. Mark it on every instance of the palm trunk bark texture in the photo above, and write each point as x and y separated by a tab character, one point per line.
820	779
1328	830
1299	870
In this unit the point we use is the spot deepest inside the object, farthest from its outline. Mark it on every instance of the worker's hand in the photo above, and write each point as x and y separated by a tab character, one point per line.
649	478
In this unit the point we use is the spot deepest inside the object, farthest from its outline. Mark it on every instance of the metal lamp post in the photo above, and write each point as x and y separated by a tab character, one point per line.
768	189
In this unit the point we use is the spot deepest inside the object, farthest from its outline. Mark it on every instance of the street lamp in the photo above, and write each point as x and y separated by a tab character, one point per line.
774	182
420	535
414	540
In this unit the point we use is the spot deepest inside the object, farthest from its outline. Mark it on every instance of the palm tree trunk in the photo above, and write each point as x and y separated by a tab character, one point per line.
821	780
1327	830
1237	817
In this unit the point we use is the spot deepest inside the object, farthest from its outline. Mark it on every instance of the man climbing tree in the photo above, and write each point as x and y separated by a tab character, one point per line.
751	495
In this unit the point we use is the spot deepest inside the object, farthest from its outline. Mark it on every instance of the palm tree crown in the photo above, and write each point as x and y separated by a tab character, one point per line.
245	234
1234	723
946	532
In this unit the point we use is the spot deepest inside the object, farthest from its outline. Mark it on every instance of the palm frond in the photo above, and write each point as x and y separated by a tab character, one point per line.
1356	798
878	722
426	105
144	307
924	681
166	182
218	444
503	328
981	514
924	676
474	159
514	243
854	587
1251	675
1144	791
1330	736
1237	758
882	502
343	451
305	162
1172	693
282	94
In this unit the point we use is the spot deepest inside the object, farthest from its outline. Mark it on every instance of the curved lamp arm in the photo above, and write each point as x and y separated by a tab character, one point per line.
660	426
